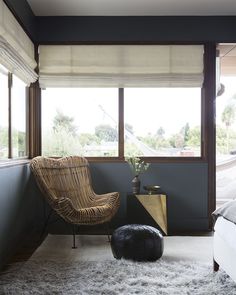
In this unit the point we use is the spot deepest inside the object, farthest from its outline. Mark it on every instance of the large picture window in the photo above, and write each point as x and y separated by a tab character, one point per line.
157	122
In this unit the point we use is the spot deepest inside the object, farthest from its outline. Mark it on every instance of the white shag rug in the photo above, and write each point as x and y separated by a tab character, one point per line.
116	277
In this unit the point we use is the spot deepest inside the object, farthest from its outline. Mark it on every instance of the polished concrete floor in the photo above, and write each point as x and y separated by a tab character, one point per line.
96	248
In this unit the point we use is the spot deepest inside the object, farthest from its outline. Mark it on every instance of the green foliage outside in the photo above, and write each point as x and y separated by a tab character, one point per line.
129	128
63	122
225	135
64	138
106	133
228	118
18	143
185	138
131	150
3	142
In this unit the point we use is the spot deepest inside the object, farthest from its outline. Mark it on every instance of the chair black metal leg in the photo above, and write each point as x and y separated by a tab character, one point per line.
215	265
108	232
74	234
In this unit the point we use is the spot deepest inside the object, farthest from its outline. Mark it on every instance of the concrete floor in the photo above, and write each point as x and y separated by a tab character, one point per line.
97	248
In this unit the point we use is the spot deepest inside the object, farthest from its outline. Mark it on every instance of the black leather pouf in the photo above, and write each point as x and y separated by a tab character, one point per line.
137	242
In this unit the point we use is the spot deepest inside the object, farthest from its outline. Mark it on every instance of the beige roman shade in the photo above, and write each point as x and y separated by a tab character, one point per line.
227	59
16	49
121	65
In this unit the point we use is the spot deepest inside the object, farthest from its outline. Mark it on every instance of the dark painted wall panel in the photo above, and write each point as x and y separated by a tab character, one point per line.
124	28
185	184
19	208
136	29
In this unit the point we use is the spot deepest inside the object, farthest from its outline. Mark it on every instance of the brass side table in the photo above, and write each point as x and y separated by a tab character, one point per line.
155	213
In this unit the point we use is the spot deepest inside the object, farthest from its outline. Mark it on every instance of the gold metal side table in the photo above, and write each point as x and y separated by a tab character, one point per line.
155	212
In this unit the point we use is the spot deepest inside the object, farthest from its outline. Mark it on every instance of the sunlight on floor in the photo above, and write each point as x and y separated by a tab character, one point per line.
97	248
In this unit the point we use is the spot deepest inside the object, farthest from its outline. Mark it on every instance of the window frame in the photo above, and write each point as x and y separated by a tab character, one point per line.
10	160
121	141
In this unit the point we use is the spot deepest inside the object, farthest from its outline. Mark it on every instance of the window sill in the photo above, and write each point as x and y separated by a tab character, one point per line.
13	162
146	159
151	159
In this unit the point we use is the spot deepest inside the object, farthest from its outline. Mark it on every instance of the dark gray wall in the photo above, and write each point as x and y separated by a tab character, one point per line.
20	209
185	185
22	205
136	29
124	29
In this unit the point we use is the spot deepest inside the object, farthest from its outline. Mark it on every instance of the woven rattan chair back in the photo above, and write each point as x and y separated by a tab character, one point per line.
67	178
66	184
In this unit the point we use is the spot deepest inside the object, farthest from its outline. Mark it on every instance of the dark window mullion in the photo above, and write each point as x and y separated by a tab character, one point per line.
121	123
9	116
27	121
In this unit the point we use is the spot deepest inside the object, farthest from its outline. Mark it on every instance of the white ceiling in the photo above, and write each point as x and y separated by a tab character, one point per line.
132	7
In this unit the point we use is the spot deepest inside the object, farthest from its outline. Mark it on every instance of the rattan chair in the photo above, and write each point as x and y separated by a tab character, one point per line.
66	185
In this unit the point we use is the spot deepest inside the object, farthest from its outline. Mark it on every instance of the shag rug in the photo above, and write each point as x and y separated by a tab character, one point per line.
116	277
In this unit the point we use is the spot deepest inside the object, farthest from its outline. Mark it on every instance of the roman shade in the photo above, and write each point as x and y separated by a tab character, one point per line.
16	49
121	65
227	59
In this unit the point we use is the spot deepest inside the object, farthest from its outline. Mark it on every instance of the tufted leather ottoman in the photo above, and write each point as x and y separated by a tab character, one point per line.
137	242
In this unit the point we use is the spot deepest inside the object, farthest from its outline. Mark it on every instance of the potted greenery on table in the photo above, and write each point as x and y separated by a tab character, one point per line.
137	166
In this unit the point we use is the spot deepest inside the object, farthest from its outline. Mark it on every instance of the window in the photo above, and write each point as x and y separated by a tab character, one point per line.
158	122
3	114
80	121
147	101
12	116
18	107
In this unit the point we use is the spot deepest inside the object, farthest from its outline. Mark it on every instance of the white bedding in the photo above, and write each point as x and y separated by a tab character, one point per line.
225	246
226	230
227	210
